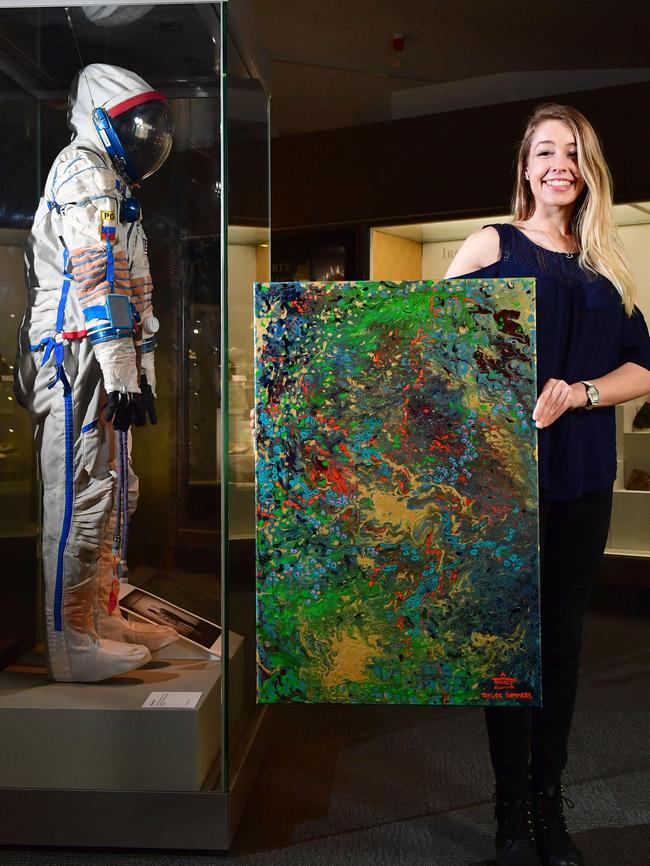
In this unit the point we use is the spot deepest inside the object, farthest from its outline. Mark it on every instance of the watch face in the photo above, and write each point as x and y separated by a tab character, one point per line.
593	395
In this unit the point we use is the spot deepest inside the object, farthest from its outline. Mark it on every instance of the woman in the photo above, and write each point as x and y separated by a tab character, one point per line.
593	352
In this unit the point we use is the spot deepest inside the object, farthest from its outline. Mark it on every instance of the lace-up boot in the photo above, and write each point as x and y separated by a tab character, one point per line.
554	845
514	840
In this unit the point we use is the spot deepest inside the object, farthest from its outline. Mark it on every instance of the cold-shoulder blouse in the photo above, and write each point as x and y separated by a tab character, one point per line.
583	332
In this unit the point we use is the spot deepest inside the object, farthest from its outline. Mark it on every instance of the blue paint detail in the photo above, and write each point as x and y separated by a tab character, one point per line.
113	146
130	210
60	376
76	174
50	343
107	335
118	310
148	345
69	495
110	266
98	311
56	188
64	292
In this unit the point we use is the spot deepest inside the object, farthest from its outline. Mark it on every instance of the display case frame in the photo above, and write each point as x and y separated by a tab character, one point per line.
204	819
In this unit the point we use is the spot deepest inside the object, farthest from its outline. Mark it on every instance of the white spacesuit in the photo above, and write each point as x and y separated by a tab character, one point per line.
86	343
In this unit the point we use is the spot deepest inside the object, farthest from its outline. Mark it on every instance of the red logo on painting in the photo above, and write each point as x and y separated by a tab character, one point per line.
503	682
503	686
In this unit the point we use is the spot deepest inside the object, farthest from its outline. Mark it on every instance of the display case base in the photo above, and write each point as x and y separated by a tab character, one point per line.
100	736
115	819
190	820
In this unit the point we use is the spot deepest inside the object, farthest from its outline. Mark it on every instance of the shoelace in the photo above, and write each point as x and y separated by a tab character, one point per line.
549	810
516	821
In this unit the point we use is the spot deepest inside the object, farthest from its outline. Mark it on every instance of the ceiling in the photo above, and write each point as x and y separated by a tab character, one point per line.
332	63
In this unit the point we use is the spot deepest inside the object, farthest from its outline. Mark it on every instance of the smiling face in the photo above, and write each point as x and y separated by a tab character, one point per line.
552	166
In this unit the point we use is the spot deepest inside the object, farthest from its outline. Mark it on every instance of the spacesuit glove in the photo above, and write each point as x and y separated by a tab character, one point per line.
148	401
124	409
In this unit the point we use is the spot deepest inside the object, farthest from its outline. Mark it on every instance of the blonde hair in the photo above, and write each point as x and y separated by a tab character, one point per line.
592	223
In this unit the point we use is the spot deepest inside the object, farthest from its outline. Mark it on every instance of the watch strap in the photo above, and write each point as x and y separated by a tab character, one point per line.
592	394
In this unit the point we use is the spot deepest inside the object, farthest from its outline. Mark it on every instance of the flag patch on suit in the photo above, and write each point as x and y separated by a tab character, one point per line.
108	225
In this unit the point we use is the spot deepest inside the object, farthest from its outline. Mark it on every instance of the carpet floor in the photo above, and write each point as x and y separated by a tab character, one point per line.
409	786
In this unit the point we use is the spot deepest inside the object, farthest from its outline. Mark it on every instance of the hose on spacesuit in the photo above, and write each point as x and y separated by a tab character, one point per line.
121	535
124	469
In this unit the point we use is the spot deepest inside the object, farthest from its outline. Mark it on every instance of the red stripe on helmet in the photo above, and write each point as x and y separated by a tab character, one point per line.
132	101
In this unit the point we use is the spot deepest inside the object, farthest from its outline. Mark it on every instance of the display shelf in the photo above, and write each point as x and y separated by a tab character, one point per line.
621	551
629	533
626	412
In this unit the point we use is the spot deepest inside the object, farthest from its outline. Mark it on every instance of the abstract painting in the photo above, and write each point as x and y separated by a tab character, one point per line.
397	523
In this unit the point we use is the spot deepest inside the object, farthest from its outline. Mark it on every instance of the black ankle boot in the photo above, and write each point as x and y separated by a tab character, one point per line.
554	844
515	842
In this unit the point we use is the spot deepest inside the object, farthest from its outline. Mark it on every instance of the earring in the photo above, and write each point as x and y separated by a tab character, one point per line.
526	175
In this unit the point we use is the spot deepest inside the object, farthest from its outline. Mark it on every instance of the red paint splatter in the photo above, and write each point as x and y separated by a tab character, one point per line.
335	476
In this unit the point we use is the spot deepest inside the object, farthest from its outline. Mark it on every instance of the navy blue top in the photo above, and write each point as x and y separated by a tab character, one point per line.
583	332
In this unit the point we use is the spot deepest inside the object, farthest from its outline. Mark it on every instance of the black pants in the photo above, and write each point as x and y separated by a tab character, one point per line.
573	534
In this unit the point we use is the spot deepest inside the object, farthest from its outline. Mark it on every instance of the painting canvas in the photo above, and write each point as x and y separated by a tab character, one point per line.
397	523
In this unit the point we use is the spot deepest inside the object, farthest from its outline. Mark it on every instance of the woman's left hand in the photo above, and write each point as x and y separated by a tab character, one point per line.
556	397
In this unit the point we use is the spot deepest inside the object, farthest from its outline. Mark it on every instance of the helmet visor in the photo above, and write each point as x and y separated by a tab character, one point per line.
145	132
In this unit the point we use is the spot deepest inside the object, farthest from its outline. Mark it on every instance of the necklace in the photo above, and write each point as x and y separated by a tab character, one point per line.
556	249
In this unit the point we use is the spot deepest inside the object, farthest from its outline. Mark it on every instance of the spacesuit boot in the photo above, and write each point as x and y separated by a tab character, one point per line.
109	621
77	654
111	624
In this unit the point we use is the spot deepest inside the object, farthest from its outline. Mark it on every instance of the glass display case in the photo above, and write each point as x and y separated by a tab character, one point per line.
162	755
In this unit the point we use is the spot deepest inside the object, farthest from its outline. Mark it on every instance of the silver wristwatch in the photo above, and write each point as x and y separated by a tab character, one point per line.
593	395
